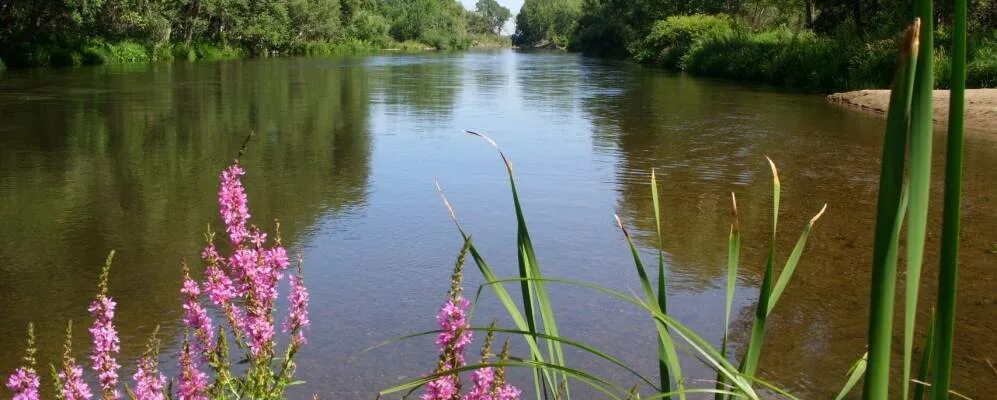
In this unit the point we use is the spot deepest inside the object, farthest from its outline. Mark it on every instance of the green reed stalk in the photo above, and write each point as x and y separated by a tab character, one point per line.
921	127
667	353
749	365
733	254
949	265
926	356
889	218
534	291
663	375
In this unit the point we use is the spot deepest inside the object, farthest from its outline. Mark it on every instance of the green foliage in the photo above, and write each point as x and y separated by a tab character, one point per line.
68	33
441	24
777	58
370	27
670	39
546	23
488	17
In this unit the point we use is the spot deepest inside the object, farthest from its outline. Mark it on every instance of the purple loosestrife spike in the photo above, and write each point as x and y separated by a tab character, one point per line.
297	318
193	382
105	336
195	316
234	207
149	382
454	336
24	382
71	376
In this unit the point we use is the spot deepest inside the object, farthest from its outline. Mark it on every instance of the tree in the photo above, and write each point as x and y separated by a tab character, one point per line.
494	14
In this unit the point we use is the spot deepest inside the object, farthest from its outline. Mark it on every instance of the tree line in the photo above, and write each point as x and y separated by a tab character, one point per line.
820	44
31	29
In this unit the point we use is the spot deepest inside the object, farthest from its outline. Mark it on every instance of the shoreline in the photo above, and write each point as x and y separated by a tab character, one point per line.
981	107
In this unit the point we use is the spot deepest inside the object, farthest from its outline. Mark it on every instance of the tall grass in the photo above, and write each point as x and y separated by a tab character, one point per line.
903	197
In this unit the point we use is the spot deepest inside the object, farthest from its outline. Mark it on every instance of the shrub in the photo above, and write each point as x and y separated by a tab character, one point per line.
128	52
671	38
371	28
777	57
207	51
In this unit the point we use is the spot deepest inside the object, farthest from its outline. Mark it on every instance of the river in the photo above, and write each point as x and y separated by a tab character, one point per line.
346	152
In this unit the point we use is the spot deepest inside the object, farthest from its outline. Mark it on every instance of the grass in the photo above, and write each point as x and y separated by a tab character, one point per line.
905	179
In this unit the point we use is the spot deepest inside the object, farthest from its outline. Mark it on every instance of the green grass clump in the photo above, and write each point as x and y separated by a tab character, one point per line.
670	39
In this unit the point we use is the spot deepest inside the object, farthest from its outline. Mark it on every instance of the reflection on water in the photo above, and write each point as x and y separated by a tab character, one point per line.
346	152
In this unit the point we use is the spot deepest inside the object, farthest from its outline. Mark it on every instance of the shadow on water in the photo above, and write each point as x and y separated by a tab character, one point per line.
128	159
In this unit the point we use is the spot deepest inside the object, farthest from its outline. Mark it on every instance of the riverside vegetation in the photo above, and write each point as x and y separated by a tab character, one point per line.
242	284
818	45
67	33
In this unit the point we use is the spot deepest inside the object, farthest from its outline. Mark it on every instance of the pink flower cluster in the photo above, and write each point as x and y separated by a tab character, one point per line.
149	382
73	385
486	387
297	318
453	339
24	383
193	382
105	345
195	317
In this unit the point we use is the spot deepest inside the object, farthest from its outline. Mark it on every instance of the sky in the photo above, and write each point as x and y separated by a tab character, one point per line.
512	5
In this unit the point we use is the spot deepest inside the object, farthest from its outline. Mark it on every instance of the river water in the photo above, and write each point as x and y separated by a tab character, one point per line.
345	154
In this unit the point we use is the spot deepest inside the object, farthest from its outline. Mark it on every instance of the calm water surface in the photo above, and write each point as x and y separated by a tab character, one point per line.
346	153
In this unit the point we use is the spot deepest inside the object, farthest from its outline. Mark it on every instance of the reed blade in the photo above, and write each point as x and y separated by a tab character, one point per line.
539	376
949	264
664	337
664	379
733	255
793	261
749	365
533	293
929	349
854	374
889	218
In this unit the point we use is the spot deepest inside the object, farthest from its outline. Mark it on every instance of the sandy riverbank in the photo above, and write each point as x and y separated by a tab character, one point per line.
981	107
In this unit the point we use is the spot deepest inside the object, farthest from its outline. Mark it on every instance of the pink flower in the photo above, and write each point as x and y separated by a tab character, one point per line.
149	382
297	318
234	207
218	286
73	386
456	333
24	383
442	388
488	387
484	381
195	317
508	392
193	382
454	337
105	345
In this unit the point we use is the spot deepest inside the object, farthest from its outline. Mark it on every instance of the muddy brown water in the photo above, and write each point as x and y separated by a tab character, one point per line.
346	153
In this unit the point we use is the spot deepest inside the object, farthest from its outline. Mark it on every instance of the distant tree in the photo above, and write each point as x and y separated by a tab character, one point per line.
493	13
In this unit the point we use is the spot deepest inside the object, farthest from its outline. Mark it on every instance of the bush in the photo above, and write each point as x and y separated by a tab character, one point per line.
129	52
349	46
370	28
775	57
205	51
670	39
982	68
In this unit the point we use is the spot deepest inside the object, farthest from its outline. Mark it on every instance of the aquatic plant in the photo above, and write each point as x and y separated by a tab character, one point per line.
900	195
242	284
